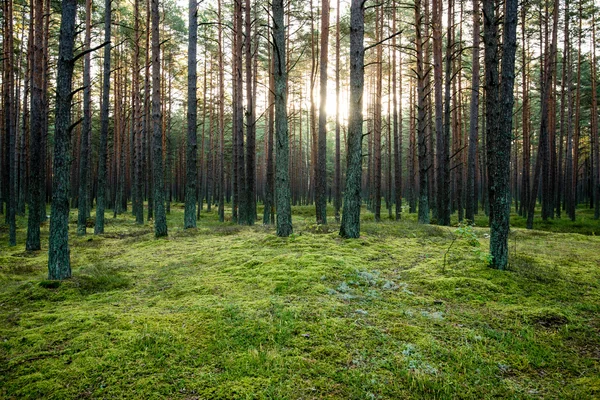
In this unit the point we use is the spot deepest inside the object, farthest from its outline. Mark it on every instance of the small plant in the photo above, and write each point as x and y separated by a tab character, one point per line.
467	233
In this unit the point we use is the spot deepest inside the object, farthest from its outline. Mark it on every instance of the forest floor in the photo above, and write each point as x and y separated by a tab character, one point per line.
225	312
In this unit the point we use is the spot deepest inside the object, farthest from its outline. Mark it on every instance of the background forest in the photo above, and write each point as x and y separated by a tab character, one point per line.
255	137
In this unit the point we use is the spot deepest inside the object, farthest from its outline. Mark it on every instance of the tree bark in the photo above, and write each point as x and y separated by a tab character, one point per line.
102	151
350	226
59	265
471	201
282	185
160	221
191	175
321	169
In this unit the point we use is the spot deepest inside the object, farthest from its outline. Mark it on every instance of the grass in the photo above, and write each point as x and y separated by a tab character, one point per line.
224	312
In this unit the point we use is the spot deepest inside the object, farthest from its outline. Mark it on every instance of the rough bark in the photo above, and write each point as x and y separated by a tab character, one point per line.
350	226
191	145
36	130
84	151
59	265
471	200
321	168
282	184
102	151
423	216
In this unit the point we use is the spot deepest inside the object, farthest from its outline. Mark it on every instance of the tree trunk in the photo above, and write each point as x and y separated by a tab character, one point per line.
191	175
59	265
350	226
471	201
499	124
423	217
36	130
282	185
321	168
102	151
160	222
84	152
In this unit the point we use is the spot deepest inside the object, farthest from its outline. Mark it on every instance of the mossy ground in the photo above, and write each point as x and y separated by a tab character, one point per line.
227	312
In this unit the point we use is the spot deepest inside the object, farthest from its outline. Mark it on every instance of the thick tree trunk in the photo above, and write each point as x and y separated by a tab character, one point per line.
350	226
282	185
500	125
59	265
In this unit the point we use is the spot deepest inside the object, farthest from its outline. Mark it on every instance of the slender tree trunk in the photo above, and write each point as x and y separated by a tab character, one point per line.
221	120
10	115
282	185
250	192
37	128
377	125
102	151
526	167
350	226
84	154
471	205
59	265
397	132
321	167
269	202
337	179
421	120
594	127
191	175
160	222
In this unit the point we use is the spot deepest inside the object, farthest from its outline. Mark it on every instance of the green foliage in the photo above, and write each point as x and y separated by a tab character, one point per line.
225	312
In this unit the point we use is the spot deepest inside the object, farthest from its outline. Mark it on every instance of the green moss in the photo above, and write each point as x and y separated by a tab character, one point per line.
224	311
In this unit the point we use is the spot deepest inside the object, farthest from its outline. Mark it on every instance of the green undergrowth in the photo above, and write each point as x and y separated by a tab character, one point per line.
230	312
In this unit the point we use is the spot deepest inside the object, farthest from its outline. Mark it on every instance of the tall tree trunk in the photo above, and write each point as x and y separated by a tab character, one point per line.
191	175
84	152
321	169
59	265
239	114
594	127
221	120
443	210
282	185
350	226
269	202
377	118
10	116
102	151
337	179
423	217
526	167
160	222
37	128
250	126
500	125
397	130
471	200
